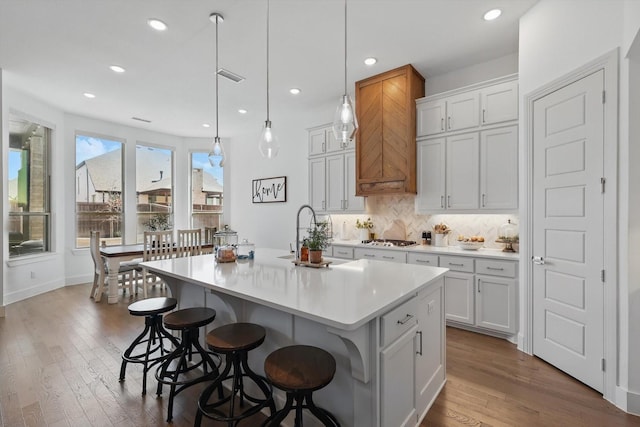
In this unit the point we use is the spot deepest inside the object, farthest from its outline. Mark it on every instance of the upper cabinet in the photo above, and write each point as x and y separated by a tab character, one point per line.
468	108
322	141
386	138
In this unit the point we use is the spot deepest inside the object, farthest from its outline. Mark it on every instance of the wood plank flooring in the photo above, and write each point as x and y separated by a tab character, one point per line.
60	362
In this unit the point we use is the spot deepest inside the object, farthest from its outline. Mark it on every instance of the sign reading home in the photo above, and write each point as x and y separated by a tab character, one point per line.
269	190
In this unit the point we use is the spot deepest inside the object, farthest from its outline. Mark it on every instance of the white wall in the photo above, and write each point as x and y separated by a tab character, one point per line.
36	274
557	37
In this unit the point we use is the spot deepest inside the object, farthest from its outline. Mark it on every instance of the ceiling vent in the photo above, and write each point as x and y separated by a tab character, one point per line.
230	75
141	120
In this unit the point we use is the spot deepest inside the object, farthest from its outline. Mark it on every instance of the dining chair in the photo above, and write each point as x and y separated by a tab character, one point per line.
189	242
125	270
156	245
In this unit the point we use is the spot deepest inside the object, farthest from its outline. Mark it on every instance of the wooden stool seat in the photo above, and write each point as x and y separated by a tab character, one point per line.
150	306
189	318
153	345
300	370
236	337
178	370
235	341
300	367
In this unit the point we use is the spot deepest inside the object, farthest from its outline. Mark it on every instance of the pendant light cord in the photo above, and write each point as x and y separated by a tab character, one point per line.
268	2
345	47
216	70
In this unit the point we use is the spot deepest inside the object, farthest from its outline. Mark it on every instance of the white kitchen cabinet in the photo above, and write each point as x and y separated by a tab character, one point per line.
430	347
380	254
322	141
448	171
343	252
499	103
430	117
422	259
495	308
499	168
459	291
397	382
332	178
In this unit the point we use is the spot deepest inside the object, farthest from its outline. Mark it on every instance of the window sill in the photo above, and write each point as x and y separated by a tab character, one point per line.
31	259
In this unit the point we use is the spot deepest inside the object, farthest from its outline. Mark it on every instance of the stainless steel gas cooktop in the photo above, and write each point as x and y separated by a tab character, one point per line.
388	242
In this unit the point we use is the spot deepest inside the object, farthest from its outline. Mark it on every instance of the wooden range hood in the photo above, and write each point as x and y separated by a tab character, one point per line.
386	137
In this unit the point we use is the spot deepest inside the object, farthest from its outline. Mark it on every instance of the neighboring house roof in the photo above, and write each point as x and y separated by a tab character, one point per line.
13	189
105	171
210	184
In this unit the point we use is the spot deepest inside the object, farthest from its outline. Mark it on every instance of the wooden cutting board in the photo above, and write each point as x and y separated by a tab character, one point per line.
395	231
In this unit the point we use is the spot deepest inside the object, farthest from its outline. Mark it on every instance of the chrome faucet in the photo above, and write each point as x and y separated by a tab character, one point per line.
298	227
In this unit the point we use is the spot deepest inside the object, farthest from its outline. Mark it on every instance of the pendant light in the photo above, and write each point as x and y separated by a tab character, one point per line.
345	123
268	142
216	155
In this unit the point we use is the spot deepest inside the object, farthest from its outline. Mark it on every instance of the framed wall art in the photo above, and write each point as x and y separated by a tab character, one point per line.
269	190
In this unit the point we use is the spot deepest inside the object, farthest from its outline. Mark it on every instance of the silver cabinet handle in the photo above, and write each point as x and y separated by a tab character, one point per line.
448	201
538	260
495	268
387	257
323	208
456	264
346	205
323	147
441	123
420	351
406	319
483	120
442	202
449	122
370	255
478	285
483	196
425	261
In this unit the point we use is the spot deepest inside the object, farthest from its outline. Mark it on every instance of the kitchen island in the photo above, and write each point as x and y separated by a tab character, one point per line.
383	322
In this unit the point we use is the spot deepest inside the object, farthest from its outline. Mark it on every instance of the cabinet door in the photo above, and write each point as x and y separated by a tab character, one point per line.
430	117
422	259
335	183
499	103
317	141
462	171
397	382
333	144
430	351
495	304
499	168
459	297
431	176
463	111
381	255
317	184
353	203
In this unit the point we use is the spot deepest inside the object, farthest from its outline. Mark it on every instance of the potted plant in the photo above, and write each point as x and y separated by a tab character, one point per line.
365	229
317	241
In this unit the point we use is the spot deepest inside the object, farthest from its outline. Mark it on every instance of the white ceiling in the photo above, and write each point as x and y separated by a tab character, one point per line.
57	50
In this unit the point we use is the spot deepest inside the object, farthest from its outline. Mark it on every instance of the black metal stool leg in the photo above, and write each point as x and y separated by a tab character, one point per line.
324	416
277	418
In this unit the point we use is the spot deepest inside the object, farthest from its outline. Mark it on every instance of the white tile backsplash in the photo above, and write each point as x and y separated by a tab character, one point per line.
383	210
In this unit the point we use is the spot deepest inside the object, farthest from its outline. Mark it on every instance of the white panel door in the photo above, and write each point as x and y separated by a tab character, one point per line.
397	382
499	168
430	117
568	229
317	141
335	183
353	203
459	297
317	183
463	111
496	303
462	171
500	103
431	175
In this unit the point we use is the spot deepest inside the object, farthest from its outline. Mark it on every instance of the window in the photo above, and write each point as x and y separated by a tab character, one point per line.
28	182
98	189
206	192
154	187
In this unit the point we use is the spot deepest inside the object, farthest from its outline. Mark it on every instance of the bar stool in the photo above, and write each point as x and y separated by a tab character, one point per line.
176	370
299	370
235	341
150	344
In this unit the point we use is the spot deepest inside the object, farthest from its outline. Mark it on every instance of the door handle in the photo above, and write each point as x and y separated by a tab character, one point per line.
538	260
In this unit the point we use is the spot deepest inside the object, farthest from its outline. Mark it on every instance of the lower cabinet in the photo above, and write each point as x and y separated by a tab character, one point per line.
495	303
460	305
380	254
413	353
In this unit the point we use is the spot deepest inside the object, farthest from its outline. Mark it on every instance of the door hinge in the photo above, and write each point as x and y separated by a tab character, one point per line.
604	365
602	275
604	96
603	181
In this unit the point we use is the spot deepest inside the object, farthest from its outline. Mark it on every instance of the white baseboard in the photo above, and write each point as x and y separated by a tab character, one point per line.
41	288
79	280
633	403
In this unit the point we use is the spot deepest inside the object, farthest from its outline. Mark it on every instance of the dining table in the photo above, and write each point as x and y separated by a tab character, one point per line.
115	254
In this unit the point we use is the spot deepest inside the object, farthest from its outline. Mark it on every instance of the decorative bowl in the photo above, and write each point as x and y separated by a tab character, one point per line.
471	246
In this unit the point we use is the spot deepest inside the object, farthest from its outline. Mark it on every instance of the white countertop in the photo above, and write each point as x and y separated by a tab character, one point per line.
346	295
445	250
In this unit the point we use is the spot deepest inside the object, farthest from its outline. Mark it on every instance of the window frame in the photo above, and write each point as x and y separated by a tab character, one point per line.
191	201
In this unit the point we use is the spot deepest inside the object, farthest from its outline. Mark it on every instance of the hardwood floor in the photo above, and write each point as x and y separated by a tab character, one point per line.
60	362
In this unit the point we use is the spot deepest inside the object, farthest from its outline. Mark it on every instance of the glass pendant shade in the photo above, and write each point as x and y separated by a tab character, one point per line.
345	123
216	155
268	143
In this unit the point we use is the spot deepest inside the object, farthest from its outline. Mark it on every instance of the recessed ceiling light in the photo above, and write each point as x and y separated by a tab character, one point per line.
370	61
492	14
157	24
294	91
206	125
117	69
89	95
242	111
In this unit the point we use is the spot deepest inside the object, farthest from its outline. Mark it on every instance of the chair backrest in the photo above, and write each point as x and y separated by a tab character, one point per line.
208	234
157	245
94	249
189	242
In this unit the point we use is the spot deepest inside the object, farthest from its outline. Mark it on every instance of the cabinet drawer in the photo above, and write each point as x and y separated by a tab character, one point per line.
342	252
398	320
422	259
496	267
381	255
457	263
